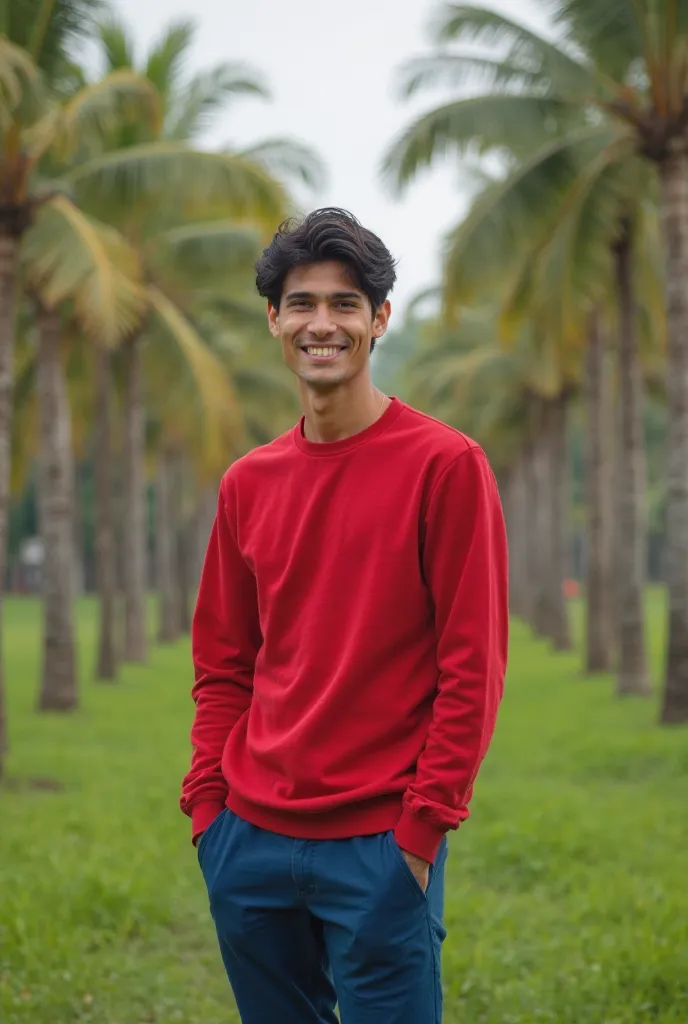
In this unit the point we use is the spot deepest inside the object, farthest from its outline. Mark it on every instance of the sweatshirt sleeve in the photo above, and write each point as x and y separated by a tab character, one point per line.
226	639
465	565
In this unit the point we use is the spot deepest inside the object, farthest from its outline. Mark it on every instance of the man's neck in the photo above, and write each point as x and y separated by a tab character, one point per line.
342	412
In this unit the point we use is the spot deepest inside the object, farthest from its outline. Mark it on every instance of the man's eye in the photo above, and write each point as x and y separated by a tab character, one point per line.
347	305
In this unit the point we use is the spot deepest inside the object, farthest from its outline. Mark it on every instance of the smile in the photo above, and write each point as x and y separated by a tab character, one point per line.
323	351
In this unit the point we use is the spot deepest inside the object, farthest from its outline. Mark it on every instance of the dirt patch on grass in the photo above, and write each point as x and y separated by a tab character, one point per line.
36	784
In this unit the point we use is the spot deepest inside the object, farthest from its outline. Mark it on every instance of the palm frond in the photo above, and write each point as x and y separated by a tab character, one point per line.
172	172
567	267
289	161
67	255
206	95
20	85
519	45
117	44
190	381
99	109
482	251
206	251
614	33
50	32
515	123
165	62
459	69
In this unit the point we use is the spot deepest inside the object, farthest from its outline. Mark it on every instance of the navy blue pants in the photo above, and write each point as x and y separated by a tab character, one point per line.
306	924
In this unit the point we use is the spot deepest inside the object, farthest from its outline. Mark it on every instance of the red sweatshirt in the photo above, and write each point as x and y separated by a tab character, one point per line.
350	635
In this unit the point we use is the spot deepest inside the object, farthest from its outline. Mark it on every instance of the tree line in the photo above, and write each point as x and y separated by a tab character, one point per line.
133	351
566	284
131	340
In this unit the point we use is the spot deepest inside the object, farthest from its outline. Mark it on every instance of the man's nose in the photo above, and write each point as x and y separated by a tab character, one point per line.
321	323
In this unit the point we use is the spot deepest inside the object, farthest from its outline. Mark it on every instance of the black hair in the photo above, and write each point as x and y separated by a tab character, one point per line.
327	234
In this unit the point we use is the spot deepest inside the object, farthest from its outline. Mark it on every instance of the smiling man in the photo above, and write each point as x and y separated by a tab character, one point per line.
349	645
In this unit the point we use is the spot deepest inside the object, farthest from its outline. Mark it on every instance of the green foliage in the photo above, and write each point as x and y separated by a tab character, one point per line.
566	898
49	29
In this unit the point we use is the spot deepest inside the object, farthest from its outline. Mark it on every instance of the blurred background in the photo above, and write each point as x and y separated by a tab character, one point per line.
527	164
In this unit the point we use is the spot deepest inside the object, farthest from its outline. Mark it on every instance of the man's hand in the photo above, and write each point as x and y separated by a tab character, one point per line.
420	869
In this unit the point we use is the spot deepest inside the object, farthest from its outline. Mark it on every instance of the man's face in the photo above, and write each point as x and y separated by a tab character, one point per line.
325	324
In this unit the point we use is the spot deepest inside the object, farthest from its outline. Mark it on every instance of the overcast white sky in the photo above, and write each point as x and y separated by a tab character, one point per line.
331	69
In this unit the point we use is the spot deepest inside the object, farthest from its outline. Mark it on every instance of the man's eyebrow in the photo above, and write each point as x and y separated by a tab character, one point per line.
334	295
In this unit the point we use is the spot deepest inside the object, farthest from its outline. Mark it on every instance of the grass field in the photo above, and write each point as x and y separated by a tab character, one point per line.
567	889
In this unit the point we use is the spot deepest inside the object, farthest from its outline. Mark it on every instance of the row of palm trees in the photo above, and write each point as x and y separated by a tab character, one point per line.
128	324
569	274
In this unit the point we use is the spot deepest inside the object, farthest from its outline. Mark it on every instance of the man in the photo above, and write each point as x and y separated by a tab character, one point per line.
349	645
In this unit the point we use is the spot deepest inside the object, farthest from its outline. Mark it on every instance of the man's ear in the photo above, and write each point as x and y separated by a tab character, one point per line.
382	319
273	320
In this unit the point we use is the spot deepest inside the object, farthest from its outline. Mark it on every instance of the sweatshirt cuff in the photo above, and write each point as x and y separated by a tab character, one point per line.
202	815
417	836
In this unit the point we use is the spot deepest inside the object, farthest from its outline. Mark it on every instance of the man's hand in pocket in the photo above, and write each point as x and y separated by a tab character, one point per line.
420	869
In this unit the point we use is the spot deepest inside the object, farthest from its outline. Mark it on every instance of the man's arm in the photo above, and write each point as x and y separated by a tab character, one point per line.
465	566
226	638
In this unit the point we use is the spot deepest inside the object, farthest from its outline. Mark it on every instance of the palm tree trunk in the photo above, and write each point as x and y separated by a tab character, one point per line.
184	570
184	543
530	540
516	514
79	552
106	666
540	527
675	218
56	493
633	675
8	265
203	524
166	550
599	503
135	533
558	483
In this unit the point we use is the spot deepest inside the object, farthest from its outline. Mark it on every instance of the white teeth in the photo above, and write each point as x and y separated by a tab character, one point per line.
321	350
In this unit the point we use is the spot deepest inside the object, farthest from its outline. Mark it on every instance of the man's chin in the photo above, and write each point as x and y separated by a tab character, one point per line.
325	379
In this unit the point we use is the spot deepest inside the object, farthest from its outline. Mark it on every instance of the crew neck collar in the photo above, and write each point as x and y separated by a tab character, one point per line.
348	443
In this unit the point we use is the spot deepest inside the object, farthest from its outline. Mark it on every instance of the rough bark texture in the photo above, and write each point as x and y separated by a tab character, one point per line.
169	614
547	493
184	552
532	542
600	647
516	513
106	665
8	260
203	524
540	531
558	482
675	218
135	546
632	541
56	494
78	520
184	526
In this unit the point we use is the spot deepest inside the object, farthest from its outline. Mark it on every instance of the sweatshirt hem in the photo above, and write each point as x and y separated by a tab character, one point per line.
368	818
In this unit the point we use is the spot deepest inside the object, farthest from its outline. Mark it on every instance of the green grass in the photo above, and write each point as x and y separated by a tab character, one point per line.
567	889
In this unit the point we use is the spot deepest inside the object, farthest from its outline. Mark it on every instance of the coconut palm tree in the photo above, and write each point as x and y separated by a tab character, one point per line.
514	403
33	123
572	179
622	63
161	191
92	274
599	500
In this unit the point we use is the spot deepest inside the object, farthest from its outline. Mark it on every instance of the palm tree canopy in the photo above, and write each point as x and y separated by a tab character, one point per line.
67	255
126	179
189	104
48	30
